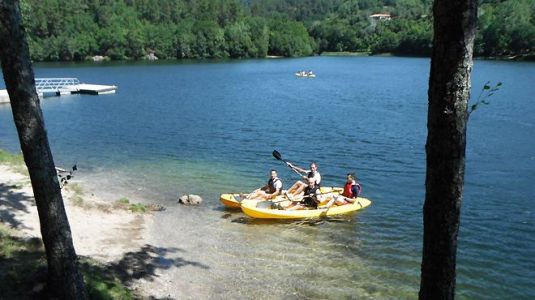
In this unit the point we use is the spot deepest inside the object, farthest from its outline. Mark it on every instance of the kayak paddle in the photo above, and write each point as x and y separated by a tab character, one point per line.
278	156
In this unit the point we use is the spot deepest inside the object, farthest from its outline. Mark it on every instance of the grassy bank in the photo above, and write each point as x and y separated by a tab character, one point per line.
10	158
23	271
15	161
23	265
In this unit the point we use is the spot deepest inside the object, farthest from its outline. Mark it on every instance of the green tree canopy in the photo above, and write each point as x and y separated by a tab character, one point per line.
126	29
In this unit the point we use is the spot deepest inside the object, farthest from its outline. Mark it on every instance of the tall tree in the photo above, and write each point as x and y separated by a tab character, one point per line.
449	92
64	278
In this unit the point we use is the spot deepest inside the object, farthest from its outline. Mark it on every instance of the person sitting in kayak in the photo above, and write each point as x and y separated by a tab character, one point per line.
310	199
351	191
272	189
313	173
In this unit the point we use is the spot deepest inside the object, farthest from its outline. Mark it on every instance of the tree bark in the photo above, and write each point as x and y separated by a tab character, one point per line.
64	278
449	93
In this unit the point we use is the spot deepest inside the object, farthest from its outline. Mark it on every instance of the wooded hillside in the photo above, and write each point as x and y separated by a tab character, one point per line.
67	30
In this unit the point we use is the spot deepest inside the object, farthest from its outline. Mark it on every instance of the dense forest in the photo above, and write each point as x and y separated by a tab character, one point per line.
69	30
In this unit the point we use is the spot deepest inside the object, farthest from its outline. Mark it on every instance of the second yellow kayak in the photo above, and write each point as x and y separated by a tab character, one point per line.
249	207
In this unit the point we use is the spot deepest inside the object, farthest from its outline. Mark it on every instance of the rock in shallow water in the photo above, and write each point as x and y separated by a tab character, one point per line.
190	199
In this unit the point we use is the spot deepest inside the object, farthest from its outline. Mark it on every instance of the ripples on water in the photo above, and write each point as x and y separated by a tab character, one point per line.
210	128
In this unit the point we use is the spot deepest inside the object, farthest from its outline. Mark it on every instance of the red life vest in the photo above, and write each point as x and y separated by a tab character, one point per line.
348	192
348	189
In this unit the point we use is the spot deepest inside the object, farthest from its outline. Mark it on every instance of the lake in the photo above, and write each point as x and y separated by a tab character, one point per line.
210	127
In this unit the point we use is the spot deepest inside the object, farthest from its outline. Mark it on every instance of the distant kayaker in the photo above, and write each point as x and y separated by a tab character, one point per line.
313	173
272	189
351	191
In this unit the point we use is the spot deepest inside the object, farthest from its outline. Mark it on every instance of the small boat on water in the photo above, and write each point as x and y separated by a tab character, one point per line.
253	210
234	200
308	74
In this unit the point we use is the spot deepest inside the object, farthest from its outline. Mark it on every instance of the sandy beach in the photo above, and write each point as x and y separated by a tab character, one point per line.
100	230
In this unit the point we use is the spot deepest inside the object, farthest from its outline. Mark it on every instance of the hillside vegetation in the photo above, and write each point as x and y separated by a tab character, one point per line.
73	30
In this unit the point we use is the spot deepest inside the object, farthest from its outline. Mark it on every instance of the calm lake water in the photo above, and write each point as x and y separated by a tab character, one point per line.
210	128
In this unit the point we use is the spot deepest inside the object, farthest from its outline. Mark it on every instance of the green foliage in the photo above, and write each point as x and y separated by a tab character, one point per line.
123	200
239	40
289	38
506	28
11	159
11	245
302	10
124	203
101	282
137	208
209	40
15	161
78	193
259	33
335	34
411	9
22	264
73	30
416	39
486	92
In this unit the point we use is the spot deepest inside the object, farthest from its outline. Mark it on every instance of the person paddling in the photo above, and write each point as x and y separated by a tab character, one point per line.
313	173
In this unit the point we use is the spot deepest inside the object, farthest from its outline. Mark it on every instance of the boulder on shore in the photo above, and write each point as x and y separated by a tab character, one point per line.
190	199
151	56
98	58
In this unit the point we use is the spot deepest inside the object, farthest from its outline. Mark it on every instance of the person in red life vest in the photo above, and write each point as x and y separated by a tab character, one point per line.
351	191
272	189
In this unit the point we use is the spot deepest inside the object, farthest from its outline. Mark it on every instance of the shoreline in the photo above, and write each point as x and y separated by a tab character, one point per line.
514	57
106	232
99	229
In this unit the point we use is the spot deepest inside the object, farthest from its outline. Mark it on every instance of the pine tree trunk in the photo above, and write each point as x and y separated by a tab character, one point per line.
64	278
449	92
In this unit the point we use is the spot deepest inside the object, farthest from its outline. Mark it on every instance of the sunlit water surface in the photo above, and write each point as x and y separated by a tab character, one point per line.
210	128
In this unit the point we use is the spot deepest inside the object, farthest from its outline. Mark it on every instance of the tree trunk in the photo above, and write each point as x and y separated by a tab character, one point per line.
449	92
64	278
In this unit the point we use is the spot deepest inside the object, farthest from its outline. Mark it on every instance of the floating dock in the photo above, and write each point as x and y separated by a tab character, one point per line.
48	87
95	89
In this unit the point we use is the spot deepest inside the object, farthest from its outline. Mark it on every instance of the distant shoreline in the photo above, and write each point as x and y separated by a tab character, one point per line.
520	57
347	53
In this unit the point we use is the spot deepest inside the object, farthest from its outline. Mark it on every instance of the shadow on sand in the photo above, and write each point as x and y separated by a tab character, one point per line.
145	262
23	271
12	202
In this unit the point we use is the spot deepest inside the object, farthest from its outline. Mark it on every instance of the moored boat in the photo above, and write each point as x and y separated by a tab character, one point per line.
250	208
308	74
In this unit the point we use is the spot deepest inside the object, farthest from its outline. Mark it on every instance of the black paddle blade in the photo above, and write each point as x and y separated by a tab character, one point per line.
277	155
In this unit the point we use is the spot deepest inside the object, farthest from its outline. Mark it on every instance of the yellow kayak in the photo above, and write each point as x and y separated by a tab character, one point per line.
250	209
230	200
234	200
